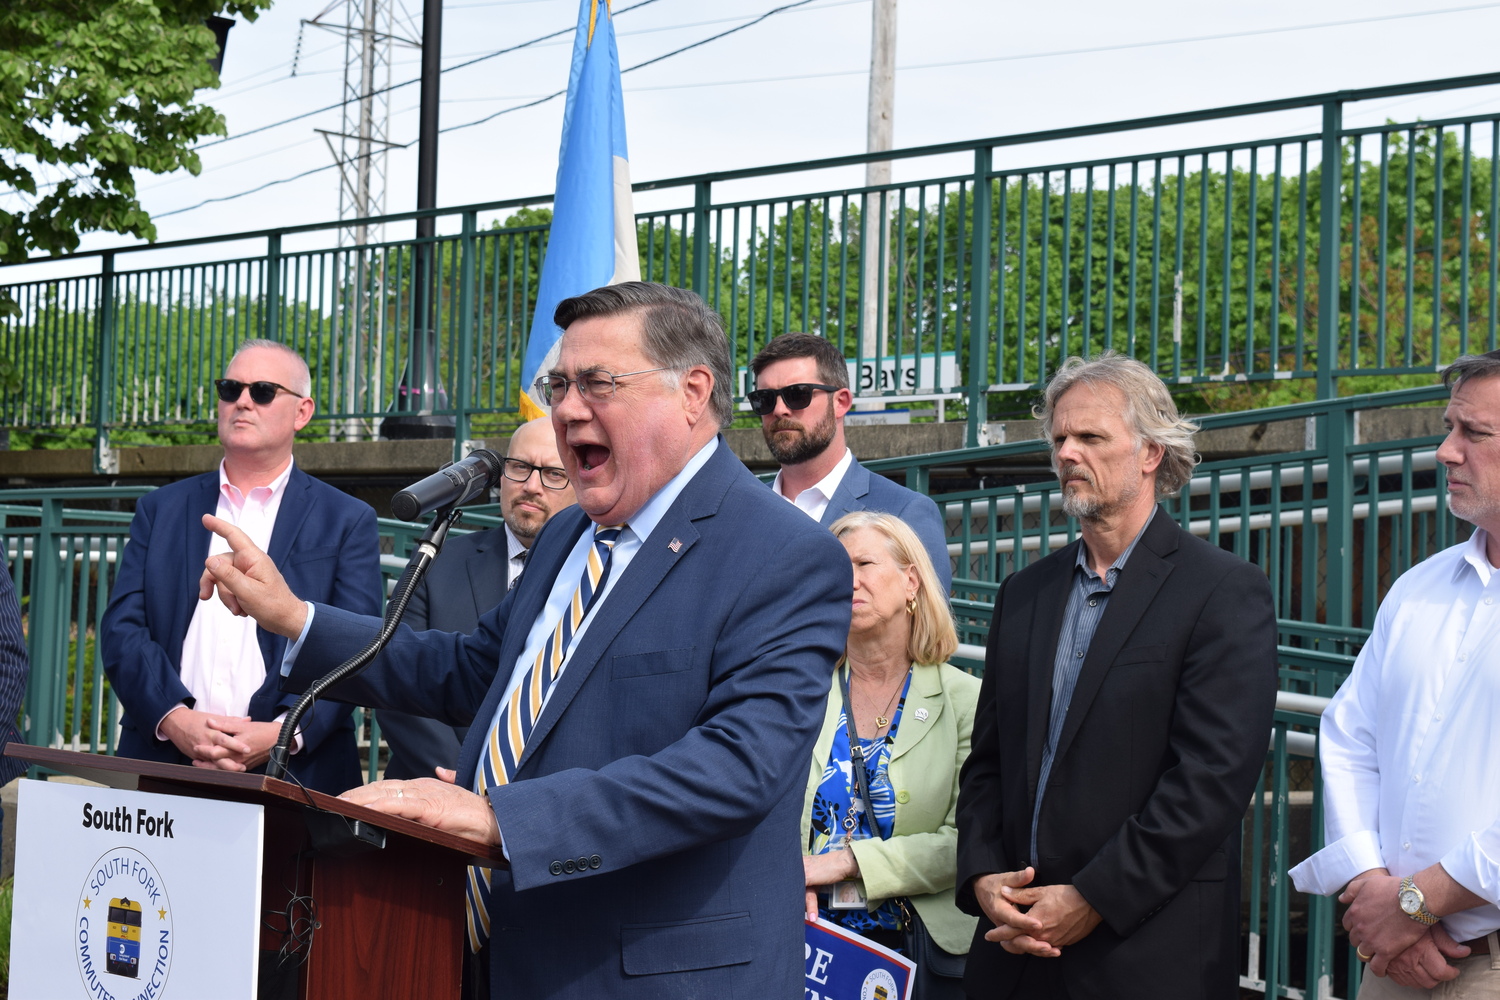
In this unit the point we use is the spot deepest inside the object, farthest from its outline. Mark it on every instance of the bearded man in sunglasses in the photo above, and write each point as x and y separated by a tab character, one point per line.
192	677
801	396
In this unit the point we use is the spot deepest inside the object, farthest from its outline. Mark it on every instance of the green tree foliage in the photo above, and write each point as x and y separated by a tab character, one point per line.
98	88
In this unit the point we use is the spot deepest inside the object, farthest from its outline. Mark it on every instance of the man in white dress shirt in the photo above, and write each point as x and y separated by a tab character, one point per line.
1410	744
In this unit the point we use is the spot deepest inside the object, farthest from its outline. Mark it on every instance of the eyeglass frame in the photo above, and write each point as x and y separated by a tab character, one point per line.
544	384
540	470
778	394
220	384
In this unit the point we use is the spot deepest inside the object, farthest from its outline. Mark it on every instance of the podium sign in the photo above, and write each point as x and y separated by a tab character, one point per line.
134	895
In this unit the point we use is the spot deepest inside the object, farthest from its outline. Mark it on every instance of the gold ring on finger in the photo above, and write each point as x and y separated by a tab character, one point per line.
1362	956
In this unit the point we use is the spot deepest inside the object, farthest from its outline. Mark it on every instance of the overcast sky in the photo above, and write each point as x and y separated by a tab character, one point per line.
794	87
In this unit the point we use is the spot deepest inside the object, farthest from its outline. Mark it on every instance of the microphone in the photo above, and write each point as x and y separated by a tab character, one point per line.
452	485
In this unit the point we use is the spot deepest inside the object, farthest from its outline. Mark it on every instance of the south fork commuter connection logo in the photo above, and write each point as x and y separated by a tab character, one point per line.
123	933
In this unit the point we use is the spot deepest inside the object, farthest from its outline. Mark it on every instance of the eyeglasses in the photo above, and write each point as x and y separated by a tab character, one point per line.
591	385
260	392
553	478
797	396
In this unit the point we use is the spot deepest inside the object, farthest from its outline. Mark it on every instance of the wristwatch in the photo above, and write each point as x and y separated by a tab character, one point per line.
1413	903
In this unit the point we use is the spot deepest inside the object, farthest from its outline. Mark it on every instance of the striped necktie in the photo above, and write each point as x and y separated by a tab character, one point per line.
506	740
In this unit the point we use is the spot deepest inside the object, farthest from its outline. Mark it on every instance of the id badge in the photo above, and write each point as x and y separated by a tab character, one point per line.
848	894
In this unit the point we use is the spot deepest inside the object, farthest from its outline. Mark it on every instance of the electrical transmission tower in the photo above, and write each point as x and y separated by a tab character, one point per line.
371	28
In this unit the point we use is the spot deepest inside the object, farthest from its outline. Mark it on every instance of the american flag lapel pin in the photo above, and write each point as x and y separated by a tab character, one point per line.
675	545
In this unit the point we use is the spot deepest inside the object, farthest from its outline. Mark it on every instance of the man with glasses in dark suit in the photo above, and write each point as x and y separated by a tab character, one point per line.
198	684
801	396
470	577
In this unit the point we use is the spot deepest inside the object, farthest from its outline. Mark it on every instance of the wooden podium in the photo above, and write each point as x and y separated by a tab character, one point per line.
388	894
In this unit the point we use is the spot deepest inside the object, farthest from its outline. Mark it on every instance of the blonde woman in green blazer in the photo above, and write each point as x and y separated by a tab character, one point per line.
900	633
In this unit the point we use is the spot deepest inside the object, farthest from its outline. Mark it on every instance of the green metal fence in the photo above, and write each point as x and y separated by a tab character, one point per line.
1332	525
1247	261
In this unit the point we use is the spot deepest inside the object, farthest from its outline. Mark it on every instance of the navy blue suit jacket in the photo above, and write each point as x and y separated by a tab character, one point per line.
325	543
652	824
861	489
468	579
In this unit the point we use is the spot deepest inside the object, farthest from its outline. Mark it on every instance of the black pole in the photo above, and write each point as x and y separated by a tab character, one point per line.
427	130
420	391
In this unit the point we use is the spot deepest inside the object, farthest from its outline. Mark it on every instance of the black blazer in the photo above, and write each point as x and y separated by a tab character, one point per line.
1158	756
468	578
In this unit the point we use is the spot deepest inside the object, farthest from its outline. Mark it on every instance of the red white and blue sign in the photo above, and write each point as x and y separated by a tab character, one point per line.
842	965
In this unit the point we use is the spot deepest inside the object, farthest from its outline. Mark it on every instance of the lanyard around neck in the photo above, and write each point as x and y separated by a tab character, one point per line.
857	754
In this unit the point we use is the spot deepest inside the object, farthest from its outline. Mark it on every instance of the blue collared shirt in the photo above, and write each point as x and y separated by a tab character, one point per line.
1087	599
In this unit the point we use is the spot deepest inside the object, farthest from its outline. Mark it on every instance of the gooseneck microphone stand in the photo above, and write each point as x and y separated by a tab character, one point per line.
427	549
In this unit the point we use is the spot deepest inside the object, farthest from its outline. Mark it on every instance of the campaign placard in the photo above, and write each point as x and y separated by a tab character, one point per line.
842	965
123	895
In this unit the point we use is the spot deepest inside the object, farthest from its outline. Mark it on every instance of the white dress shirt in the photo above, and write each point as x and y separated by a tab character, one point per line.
221	659
1410	744
813	501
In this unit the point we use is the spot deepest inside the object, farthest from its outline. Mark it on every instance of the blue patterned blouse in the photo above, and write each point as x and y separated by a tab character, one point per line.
831	803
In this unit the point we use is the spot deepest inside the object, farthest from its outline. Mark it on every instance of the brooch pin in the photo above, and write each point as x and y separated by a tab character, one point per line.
921	714
675	544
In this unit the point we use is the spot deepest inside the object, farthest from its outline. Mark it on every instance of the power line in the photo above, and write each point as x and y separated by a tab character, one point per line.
254	190
801	3
648	62
407	83
1020	56
632	69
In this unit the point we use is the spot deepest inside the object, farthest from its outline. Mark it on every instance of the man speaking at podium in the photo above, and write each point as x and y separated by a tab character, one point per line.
639	755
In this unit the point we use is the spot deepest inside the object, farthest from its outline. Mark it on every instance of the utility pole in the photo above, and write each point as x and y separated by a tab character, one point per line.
420	392
874	217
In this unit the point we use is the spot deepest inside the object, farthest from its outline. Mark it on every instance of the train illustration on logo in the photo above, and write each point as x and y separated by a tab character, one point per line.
123	957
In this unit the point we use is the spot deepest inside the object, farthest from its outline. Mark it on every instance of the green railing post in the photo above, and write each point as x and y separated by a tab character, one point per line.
272	322
46	620
1329	204
702	196
979	299
1338	533
466	365
104	367
1277	932
1320	912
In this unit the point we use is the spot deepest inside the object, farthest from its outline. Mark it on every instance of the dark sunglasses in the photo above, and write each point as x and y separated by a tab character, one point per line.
797	396
261	393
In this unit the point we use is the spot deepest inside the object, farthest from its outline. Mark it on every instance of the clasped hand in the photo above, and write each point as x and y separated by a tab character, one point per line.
1410	953
1033	920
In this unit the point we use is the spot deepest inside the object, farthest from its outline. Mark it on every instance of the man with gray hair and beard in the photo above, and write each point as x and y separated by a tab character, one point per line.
1128	689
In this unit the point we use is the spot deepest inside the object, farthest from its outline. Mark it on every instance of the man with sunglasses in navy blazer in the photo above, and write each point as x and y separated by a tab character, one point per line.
801	396
198	684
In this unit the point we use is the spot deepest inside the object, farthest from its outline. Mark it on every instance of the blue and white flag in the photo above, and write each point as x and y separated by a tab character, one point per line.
593	240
